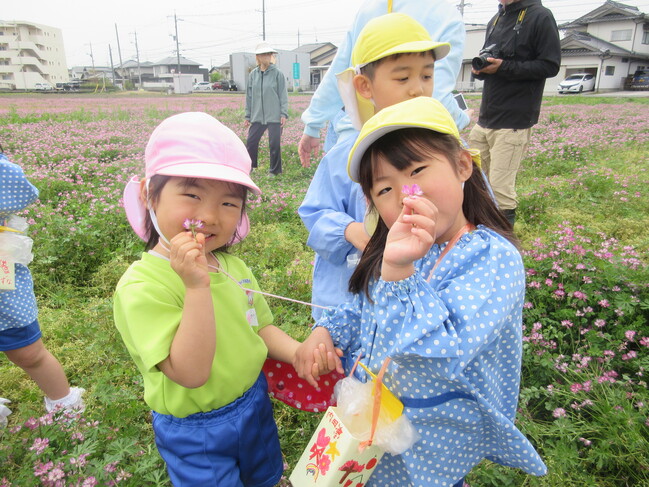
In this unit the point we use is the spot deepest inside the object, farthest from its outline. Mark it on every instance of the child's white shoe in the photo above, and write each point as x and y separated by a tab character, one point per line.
4	412
72	403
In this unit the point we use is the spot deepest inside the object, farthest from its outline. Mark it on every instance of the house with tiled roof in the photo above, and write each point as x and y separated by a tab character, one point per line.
610	42
160	74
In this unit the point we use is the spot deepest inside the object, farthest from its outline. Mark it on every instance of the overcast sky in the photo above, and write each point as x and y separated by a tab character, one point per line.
208	31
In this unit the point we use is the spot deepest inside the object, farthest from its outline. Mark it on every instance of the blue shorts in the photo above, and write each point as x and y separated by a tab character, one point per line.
15	338
234	446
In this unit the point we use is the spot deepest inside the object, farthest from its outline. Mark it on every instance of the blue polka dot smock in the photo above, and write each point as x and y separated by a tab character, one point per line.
17	307
456	347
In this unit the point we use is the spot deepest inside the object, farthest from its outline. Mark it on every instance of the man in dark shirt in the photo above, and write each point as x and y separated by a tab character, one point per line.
522	50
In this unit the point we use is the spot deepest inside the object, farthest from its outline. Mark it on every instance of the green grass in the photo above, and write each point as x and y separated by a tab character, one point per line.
76	315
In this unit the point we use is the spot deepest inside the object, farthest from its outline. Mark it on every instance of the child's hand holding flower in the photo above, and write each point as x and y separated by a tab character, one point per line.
187	255
193	225
410	236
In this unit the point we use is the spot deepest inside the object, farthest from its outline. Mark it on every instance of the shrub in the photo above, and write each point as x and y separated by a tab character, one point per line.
60	449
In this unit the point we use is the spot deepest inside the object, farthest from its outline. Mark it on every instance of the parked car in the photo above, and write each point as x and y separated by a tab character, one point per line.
229	85
43	87
640	80
202	86
69	86
576	83
217	85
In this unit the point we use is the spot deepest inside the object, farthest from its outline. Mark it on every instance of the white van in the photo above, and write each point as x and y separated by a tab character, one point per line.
43	87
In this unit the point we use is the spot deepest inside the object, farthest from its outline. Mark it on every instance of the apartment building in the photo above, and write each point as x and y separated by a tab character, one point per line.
30	53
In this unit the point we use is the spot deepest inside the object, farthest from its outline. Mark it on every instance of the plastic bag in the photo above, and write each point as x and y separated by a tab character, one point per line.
394	432
16	247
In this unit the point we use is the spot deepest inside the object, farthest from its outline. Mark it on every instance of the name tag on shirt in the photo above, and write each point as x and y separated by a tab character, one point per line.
7	275
251	316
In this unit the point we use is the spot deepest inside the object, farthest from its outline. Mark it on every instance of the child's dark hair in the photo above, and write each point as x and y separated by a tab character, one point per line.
401	148
158	182
370	68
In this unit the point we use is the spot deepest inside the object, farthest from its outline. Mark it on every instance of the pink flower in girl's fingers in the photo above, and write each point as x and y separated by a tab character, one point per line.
193	225
413	190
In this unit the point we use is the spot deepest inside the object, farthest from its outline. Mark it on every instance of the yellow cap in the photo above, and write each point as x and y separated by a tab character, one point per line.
420	112
389	34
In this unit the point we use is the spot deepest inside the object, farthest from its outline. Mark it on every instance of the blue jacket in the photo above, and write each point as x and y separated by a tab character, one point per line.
456	347
331	203
443	22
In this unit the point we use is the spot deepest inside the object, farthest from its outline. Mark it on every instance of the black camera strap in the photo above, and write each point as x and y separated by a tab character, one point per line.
517	27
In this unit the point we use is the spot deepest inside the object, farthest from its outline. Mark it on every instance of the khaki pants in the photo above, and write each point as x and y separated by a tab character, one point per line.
502	151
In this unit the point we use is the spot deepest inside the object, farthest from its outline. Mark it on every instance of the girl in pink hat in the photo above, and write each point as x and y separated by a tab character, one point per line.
189	314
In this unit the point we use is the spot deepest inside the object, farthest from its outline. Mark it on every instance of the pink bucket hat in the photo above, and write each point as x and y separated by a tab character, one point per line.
190	145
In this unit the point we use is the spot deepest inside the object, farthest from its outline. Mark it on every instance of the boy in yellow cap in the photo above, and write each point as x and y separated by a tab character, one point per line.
393	61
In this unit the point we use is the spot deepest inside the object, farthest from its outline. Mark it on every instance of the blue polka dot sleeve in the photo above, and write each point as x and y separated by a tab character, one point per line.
16	192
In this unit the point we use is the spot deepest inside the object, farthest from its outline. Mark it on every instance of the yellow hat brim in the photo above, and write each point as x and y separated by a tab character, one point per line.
421	112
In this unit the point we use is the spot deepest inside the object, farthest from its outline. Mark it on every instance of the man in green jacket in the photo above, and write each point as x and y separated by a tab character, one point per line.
266	107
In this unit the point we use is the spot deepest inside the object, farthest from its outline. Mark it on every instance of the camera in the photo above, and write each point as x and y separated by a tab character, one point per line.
480	61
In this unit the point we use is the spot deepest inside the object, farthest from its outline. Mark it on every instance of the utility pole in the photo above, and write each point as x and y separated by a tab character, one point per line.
177	44
137	55
119	51
263	20
92	58
19	57
461	6
112	68
298	38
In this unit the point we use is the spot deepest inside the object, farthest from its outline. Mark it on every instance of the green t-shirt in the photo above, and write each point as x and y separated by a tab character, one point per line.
148	306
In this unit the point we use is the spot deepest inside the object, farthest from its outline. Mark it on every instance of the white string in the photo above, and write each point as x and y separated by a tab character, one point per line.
274	295
245	288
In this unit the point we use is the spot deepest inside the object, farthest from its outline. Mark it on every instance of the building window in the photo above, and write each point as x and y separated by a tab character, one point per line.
645	37
621	35
610	70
